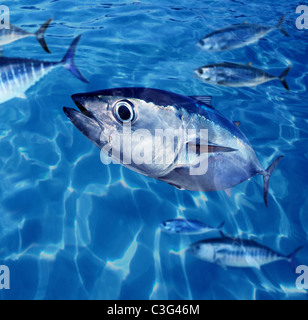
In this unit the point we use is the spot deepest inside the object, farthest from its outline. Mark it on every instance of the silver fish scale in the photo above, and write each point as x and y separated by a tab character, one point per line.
17	75
238	255
14	33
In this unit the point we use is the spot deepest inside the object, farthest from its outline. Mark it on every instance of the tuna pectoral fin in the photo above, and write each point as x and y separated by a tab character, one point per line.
228	192
220	262
40	35
266	178
68	61
200	148
175	186
282	77
280	28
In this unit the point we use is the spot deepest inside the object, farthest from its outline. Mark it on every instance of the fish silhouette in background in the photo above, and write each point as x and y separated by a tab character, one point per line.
228	252
237	36
14	33
229	74
17	75
188	227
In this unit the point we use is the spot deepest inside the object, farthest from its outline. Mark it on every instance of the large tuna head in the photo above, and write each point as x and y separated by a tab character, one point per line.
122	122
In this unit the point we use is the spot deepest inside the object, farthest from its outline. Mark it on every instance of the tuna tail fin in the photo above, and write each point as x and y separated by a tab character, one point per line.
282	77
68	61
266	178
280	28
291	257
40	35
220	227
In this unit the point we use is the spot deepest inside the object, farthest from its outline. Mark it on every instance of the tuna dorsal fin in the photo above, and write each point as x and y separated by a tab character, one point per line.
205	99
209	148
237	123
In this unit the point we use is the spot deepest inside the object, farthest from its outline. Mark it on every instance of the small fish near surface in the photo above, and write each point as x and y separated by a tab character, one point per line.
227	153
228	252
188	227
14	33
17	75
229	74
237	36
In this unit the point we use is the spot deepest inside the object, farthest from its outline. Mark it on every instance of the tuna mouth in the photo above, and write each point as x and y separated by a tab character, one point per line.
81	119
86	115
79	103
85	121
84	112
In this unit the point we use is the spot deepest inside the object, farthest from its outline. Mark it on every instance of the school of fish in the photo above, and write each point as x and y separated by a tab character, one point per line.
226	153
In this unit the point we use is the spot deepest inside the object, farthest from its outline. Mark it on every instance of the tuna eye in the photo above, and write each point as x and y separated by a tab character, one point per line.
124	111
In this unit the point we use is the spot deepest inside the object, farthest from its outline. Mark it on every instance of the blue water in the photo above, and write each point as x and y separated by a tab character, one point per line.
72	228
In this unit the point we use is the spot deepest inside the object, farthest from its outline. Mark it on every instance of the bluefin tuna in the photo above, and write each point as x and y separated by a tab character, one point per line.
188	227
17	75
229	74
227	153
229	252
237	36
14	33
